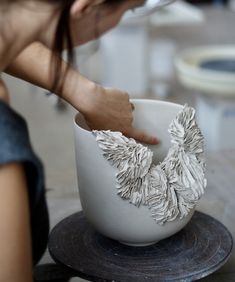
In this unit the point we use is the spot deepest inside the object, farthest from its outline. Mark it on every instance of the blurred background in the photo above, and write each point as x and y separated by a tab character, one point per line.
184	53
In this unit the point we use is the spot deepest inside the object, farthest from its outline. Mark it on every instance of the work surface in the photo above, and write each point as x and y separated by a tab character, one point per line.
201	248
219	202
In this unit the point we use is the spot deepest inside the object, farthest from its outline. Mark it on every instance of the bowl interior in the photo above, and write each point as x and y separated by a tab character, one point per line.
154	118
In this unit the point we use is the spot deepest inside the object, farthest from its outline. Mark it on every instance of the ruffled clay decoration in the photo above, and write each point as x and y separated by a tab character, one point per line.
171	188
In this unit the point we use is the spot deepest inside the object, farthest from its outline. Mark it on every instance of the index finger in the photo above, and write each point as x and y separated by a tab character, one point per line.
141	136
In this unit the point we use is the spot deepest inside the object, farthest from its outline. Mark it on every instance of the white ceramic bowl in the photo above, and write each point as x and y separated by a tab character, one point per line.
104	209
210	82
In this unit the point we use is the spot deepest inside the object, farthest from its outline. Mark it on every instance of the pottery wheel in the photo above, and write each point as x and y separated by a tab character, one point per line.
201	248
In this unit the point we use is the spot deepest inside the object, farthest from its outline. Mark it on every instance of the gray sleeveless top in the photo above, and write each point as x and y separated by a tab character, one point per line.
15	147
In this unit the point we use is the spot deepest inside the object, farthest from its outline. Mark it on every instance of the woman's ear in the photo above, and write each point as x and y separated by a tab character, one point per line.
77	7
80	7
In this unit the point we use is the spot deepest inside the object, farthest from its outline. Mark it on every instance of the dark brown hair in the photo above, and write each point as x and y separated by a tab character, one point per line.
62	41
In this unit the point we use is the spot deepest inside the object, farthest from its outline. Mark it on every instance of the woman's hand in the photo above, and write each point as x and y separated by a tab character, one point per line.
110	109
104	108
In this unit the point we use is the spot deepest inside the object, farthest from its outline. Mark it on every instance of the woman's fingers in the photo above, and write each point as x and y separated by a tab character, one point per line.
141	136
111	109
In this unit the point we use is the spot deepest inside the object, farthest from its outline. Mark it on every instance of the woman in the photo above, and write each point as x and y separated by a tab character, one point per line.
30	30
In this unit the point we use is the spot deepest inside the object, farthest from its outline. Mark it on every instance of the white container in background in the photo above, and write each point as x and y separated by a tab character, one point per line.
216	118
215	89
125	59
231	5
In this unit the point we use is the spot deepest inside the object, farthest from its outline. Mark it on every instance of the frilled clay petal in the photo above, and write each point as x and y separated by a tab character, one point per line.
170	189
133	162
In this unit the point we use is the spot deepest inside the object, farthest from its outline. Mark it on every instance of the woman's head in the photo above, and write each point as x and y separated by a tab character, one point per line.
73	30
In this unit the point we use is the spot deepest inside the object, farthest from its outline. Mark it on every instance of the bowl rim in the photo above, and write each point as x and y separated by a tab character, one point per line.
135	101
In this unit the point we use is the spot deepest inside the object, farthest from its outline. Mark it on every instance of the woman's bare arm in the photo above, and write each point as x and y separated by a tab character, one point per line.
15	238
103	108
